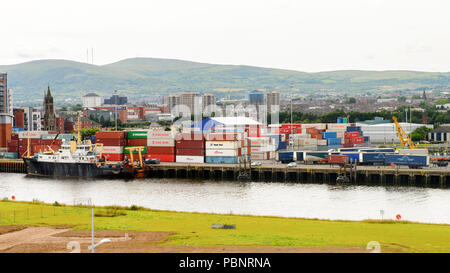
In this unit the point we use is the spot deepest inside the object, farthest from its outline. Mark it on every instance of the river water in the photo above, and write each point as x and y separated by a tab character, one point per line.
322	201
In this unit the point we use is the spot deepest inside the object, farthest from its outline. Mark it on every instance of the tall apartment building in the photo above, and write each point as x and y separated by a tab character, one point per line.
273	101
172	101
116	100
256	99
190	99
32	119
6	112
208	99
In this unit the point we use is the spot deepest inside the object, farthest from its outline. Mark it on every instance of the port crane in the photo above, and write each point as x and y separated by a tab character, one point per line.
405	141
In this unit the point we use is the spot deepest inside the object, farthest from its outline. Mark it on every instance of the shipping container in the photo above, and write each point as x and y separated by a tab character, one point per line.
10	155
353	128
190	144
161	142
48	136
109	149
190	159
260	156
161	157
160	150
222	159
143	151
351	134
223	144
352	156
161	135
337	159
137	142
337	126
110	134
195	152
372	157
224	136
357	140
311	156
111	141
113	157
190	137
284	157
413	151
31	134
334	141
413	161
258	141
234	152
137	134
326	135
299	156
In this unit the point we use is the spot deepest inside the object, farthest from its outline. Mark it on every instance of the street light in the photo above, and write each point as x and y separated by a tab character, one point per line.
92	247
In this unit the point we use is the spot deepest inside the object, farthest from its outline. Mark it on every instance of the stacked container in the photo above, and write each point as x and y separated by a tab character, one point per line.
224	148
190	148
113	144
161	145
260	148
35	141
136	139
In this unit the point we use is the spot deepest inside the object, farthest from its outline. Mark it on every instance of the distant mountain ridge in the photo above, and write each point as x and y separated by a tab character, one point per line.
139	77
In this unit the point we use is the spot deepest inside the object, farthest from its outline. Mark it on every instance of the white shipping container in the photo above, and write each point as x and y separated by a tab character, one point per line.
260	156
258	141
32	134
109	149
318	126
161	142
223	144
190	159
259	149
222	152
322	142
310	141
161	135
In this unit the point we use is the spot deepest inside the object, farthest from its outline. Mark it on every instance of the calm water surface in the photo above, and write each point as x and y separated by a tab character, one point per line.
255	198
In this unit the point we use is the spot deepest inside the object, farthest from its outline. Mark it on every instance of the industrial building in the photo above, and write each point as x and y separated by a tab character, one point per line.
92	100
440	134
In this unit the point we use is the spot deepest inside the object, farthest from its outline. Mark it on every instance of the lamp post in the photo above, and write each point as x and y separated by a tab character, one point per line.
94	245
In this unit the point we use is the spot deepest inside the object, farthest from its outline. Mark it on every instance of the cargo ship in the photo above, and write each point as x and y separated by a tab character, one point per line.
72	160
75	159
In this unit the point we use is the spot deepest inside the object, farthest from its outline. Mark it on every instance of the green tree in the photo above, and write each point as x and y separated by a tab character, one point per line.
420	133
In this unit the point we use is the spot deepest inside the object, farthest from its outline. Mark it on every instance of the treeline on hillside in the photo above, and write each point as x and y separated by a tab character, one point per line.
430	116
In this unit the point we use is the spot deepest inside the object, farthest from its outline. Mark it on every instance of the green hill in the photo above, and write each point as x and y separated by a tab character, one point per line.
146	76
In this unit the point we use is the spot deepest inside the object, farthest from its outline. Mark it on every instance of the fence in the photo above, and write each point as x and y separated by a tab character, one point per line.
15	216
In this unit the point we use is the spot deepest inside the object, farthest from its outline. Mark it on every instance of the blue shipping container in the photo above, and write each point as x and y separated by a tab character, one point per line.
409	160
285	156
352	157
282	145
299	156
17	129
222	159
377	150
353	128
339	120
334	141
327	135
370	158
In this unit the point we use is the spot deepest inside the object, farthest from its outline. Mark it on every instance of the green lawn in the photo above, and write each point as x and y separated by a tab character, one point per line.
195	228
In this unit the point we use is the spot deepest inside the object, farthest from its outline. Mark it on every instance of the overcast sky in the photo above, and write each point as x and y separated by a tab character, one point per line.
315	35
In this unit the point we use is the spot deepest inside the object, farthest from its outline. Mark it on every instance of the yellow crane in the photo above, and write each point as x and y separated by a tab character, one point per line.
131	150
405	141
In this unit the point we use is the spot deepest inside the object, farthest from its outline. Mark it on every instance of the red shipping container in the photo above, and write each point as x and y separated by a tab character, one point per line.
337	159
161	150
285	130
312	131
14	137
51	142
114	157
13	142
291	126
190	144
190	136
13	149
161	157
24	141
254	132
137	142
357	140
351	134
110	134
196	152
112	142
347	145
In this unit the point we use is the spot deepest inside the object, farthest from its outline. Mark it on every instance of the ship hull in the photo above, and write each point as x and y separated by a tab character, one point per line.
69	170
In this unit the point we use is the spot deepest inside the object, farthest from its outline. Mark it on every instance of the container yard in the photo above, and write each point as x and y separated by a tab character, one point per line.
225	147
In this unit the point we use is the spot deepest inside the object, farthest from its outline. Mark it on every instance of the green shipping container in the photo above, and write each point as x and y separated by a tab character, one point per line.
137	134
143	151
65	136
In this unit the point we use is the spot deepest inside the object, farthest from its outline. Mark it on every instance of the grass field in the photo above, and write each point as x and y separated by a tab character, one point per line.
194	229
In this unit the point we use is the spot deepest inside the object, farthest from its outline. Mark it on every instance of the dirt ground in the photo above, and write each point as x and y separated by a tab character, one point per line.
20	239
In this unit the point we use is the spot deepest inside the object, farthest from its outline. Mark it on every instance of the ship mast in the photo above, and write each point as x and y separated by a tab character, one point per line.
79	130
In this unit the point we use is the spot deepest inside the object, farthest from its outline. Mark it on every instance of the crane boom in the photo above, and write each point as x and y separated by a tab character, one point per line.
405	141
